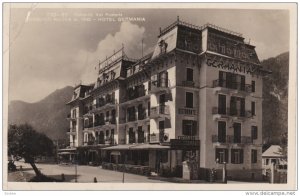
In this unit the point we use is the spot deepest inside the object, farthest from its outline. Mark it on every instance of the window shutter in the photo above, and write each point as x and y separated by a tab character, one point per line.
232	156
217	154
226	155
241	156
194	128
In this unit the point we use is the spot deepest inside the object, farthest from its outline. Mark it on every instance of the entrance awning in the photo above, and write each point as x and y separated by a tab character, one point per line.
137	147
64	153
150	146
67	149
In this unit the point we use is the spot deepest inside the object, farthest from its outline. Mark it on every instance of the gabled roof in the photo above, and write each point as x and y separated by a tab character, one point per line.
273	151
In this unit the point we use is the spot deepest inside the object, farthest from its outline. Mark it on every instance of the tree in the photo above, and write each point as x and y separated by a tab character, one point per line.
24	142
284	144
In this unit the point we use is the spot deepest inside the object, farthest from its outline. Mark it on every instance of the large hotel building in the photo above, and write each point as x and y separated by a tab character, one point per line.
198	94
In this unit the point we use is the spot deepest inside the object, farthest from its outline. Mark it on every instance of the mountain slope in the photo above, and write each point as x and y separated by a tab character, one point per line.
275	98
47	116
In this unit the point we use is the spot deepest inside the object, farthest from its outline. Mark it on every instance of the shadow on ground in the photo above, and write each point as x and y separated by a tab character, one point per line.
67	177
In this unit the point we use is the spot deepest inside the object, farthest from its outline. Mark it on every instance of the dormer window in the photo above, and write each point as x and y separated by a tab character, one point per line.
113	75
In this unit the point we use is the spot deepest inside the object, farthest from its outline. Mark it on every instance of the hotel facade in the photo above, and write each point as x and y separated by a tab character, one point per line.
198	94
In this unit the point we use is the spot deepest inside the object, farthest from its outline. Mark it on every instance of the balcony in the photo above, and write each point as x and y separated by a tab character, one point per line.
160	85
110	103
187	83
220	112
99	123
90	143
71	117
71	131
187	111
230	139
136	96
89	125
160	111
234	87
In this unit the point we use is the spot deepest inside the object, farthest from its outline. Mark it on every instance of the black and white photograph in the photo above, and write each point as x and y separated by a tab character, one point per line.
149	96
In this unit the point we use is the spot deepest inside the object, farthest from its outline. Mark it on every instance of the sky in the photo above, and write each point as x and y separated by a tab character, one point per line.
53	48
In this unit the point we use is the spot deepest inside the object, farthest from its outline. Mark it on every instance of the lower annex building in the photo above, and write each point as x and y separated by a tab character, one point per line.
198	94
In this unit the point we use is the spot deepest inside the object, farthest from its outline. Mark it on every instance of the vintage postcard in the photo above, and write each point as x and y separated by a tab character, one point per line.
149	96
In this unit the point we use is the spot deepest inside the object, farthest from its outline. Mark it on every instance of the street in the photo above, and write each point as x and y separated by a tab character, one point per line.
85	173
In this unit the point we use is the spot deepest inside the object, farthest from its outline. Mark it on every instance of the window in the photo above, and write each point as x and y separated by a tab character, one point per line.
189	74
161	126
253	156
254	132
237	156
74	113
189	127
222	104
112	135
149	108
101	138
253	86
221	155
222	79
148	133
140	134
149	86
237	106
253	108
189	100
222	131
107	116
273	161
131	136
131	114
242	83
236	132
267	161
162	99
163	79
141	112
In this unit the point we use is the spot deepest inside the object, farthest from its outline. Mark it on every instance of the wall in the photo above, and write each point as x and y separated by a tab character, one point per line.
211	95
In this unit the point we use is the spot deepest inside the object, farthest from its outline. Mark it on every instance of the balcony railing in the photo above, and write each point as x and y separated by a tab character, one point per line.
135	94
232	85
71	131
187	83
89	125
131	118
142	115
230	139
99	123
71	117
231	112
159	85
109	102
187	111
159	111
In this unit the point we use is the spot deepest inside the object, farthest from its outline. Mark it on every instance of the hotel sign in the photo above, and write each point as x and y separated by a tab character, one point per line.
231	65
185	143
